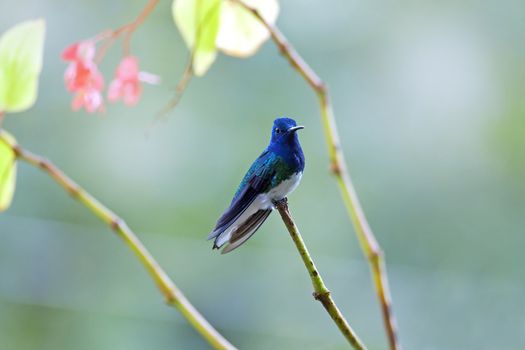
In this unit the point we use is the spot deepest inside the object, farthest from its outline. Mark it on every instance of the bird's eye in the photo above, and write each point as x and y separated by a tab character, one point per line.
277	130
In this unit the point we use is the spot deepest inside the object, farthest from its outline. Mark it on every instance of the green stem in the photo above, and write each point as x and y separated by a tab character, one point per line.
367	240
321	292
169	290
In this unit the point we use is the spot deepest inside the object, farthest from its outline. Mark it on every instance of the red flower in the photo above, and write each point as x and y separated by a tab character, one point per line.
83	77
126	85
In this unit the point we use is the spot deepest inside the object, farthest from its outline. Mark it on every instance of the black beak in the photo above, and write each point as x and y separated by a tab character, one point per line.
295	128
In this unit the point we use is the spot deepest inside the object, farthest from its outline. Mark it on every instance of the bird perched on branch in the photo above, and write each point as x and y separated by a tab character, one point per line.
273	175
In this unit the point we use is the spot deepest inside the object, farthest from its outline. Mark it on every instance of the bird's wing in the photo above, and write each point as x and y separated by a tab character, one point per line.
256	181
247	229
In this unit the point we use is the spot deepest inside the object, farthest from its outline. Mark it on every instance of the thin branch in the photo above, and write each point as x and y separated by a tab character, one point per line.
321	292
128	29
367	240
169	290
150	6
179	92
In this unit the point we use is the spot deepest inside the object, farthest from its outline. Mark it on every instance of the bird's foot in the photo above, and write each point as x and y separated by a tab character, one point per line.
281	202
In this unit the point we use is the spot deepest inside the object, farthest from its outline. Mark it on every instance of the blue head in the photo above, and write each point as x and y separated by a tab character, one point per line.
284	132
285	143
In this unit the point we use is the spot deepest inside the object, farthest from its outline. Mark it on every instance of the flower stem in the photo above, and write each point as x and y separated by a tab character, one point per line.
367	240
109	37
321	292
150	6
169	290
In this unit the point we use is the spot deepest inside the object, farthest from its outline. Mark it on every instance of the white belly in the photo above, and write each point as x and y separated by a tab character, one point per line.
284	188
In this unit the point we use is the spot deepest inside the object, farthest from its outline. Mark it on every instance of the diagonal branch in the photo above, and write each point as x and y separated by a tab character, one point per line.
321	292
367	240
127	30
169	290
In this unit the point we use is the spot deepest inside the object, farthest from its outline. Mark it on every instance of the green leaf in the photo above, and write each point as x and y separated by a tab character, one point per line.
7	171
21	50
241	33
198	22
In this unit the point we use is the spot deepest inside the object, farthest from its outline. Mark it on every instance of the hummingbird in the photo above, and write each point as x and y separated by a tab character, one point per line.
273	175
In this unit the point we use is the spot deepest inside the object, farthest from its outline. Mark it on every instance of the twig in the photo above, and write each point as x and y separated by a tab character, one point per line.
128	29
367	240
136	23
169	290
179	92
321	292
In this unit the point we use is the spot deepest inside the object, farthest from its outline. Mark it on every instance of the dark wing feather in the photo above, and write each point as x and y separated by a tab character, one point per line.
235	210
256	181
246	230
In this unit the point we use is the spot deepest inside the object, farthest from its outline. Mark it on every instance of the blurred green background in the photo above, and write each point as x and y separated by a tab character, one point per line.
429	98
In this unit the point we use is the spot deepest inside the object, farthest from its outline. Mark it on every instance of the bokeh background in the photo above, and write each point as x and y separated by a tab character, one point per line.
429	98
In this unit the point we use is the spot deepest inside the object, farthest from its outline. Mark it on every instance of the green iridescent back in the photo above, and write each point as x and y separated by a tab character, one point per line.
268	164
